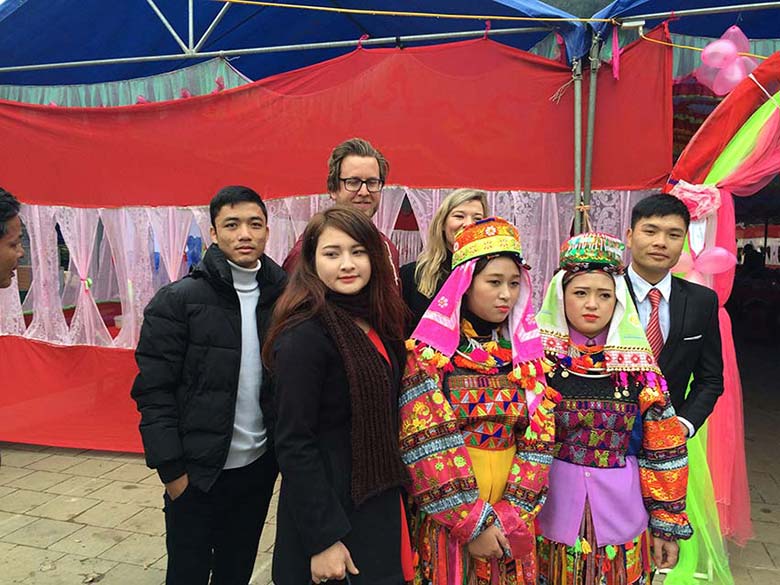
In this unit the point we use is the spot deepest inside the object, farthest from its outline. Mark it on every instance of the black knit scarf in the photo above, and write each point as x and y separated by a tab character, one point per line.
358	305
376	459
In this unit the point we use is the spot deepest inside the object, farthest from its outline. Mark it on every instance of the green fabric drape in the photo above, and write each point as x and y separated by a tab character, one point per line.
741	144
198	79
704	553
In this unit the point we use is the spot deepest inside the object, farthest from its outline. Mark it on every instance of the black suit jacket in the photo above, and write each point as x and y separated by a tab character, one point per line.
692	348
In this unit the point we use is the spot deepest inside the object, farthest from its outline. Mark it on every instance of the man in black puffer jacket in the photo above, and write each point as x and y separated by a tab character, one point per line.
205	401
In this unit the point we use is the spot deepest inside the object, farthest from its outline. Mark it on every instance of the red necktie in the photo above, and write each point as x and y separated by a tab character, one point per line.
654	335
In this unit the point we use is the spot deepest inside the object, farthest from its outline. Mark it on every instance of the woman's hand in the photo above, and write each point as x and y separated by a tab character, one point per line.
491	544
665	553
332	563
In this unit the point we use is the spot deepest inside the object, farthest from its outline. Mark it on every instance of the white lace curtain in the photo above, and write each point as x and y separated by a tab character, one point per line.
126	252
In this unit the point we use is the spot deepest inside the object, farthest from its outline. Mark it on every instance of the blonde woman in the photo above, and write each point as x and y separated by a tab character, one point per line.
421	280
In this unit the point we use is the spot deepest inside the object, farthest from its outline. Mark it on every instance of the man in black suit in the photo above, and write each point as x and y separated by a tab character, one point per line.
686	313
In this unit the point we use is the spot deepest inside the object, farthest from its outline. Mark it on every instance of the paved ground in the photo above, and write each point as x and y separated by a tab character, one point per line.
70	516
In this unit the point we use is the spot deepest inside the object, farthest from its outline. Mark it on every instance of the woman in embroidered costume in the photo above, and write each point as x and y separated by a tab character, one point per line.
617	485
476	422
336	352
423	279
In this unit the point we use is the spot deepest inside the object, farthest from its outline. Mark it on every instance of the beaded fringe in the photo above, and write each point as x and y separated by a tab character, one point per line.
438	561
581	564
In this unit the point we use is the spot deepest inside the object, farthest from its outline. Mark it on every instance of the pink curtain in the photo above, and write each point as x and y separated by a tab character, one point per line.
128	231
726	449
43	298
761	166
79	229
281	236
11	319
171	226
726	438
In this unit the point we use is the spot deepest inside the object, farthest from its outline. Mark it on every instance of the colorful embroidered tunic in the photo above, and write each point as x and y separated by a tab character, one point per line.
620	471
473	462
596	460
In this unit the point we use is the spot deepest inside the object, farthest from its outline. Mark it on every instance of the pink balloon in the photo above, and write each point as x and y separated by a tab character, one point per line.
684	264
736	36
729	78
714	261
749	64
719	54
706	75
697	277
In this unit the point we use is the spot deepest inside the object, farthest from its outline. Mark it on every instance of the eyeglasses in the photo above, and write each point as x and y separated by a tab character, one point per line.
353	184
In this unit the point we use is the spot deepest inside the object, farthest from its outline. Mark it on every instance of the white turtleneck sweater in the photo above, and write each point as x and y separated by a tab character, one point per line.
249	440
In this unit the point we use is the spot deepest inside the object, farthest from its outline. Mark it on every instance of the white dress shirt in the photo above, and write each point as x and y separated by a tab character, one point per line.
644	307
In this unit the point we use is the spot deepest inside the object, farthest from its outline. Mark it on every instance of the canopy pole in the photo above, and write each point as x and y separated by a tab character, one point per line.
577	76
191	28
212	26
167	25
766	237
595	64
277	49
701	11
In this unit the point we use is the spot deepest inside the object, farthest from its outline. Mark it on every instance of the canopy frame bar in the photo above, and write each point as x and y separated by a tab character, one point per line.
276	49
212	26
168	26
701	11
191	27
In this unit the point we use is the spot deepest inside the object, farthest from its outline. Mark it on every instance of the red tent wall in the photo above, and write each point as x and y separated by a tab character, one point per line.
475	113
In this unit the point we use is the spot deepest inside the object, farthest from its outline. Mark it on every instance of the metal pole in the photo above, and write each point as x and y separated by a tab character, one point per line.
595	63
766	239
702	11
577	76
212	26
277	49
191	18
167	25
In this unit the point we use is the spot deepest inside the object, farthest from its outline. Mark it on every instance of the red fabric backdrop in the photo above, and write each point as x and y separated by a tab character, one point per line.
77	396
474	113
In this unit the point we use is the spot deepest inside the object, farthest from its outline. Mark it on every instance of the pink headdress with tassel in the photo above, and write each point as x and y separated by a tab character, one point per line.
439	327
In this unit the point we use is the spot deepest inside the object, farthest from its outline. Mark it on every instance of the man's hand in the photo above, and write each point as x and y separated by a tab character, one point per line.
664	553
176	487
332	563
684	428
491	544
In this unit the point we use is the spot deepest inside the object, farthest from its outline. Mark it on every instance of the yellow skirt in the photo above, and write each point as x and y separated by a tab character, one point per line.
491	468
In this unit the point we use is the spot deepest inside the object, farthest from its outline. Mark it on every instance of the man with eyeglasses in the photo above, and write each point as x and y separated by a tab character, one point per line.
356	174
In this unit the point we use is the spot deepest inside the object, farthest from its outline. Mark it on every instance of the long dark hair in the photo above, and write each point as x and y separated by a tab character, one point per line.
304	296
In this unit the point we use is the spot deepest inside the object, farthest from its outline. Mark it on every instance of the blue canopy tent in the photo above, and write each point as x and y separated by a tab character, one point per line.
704	18
62	42
108	41
700	18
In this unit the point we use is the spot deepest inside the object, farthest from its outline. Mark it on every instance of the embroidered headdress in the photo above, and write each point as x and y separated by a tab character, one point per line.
592	250
439	328
487	237
626	348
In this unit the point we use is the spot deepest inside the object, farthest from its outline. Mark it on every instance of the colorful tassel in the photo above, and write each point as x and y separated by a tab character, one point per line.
586	549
